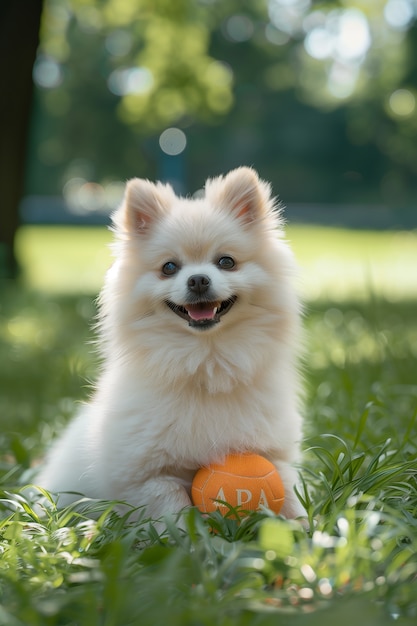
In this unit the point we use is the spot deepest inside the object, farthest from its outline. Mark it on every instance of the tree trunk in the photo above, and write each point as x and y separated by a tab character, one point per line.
19	37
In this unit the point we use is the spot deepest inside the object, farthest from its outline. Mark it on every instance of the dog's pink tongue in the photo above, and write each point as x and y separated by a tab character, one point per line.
199	312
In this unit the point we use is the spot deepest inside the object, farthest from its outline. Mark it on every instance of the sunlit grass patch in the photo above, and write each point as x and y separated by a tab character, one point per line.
69	568
335	263
64	260
341	264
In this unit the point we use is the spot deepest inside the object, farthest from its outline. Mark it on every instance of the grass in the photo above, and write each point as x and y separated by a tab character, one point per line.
335	263
88	567
339	264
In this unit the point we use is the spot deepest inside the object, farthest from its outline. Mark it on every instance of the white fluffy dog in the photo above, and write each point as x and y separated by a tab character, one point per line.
199	331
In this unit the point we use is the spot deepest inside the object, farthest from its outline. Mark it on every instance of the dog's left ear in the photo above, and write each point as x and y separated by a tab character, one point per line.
242	192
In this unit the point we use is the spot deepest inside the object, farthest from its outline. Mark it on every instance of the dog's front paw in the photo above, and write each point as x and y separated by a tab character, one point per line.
160	496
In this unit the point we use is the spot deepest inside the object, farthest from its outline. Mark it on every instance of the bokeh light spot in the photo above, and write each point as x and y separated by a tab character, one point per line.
47	73
131	80
318	43
83	196
288	15
239	28
402	103
173	141
119	43
353	36
276	36
398	13
344	35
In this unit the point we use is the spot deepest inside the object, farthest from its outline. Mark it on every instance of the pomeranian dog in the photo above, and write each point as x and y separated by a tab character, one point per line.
199	333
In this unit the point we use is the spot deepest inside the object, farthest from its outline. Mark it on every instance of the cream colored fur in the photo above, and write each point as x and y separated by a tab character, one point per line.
172	397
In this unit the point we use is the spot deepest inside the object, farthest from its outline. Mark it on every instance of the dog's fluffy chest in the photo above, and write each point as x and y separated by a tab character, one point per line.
188	426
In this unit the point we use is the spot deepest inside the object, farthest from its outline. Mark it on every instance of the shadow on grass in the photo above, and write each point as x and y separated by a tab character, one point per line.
46	364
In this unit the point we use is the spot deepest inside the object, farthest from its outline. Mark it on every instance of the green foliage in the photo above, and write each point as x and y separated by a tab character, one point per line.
170	41
68	567
238	78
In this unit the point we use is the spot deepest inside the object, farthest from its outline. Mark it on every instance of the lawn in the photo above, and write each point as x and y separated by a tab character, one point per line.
334	263
358	561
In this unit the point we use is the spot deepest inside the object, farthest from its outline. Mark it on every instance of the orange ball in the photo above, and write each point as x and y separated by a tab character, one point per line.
248	481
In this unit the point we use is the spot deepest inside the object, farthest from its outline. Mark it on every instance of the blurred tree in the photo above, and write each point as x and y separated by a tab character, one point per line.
321	97
19	28
107	67
325	93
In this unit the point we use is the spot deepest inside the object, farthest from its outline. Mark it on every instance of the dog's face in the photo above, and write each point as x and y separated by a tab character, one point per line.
200	264
200	290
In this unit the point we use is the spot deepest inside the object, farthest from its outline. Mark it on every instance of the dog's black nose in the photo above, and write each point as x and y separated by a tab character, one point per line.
198	283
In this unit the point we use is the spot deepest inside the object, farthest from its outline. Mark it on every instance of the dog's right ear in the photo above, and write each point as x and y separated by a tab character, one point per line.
143	204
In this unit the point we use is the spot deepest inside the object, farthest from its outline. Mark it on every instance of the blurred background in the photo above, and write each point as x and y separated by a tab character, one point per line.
320	97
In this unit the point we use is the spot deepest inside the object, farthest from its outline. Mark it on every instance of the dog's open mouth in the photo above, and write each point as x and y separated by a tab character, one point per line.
202	314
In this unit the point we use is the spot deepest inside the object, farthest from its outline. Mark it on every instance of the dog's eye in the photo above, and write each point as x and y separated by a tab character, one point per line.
226	263
170	268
